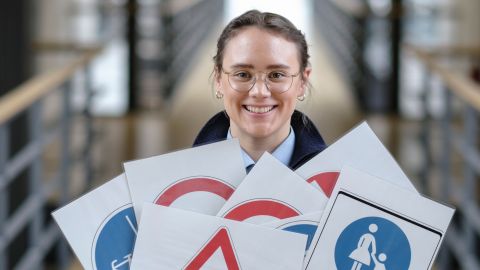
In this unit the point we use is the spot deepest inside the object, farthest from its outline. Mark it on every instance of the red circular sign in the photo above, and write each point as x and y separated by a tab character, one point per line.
261	207
185	186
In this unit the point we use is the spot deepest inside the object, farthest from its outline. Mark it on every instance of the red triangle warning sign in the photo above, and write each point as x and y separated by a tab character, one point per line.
221	239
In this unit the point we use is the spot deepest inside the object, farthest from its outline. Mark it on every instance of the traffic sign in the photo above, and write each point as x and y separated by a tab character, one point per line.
113	244
304	224
272	191
372	243
100	226
261	207
221	239
360	148
198	179
172	238
371	224
325	181
194	184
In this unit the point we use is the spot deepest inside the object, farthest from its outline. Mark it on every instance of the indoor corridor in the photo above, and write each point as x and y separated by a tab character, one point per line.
102	82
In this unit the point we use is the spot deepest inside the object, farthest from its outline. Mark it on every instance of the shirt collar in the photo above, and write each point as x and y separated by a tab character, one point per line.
283	152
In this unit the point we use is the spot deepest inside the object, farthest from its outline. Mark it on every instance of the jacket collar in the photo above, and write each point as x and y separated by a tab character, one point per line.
308	141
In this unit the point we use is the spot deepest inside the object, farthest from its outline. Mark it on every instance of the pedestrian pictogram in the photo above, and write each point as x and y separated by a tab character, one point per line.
113	243
221	239
263	207
372	243
185	186
325	181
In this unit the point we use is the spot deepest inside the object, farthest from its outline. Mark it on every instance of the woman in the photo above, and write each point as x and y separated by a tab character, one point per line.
366	248
261	70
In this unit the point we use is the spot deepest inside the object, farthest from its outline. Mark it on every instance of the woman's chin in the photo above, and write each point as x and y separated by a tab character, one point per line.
260	131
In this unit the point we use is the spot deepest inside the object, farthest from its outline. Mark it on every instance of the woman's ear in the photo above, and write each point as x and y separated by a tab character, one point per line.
305	76
217	78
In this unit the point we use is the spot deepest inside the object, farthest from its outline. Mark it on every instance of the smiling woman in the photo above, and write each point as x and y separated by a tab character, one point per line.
261	71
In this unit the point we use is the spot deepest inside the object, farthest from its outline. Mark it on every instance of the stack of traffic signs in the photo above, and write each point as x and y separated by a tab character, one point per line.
350	207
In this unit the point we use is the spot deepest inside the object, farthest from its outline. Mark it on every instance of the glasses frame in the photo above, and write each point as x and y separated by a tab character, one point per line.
264	81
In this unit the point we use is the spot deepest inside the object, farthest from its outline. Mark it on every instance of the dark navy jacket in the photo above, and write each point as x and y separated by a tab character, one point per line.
308	141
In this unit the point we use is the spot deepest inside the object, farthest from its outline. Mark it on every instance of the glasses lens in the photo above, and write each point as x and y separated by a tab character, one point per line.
241	81
275	81
279	82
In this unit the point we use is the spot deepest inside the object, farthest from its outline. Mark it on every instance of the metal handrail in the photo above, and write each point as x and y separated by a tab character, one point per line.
23	96
462	86
42	235
453	50
459	136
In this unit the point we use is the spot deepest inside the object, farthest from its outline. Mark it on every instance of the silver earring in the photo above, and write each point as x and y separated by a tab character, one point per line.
218	94
301	98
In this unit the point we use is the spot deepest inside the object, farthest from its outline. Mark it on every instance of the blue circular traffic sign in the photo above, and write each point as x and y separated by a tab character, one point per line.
113	245
372	243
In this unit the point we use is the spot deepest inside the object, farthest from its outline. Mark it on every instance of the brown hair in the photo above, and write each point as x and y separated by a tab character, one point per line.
268	21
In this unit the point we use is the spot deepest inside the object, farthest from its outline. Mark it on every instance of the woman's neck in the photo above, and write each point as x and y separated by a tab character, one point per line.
255	147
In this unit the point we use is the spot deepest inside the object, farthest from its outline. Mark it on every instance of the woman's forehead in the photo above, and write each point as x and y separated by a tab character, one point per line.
257	48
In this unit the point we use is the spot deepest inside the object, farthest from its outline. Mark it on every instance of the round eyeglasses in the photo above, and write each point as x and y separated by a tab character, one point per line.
275	81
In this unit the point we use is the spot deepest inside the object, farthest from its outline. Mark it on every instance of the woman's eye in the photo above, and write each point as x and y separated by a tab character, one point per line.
276	75
242	75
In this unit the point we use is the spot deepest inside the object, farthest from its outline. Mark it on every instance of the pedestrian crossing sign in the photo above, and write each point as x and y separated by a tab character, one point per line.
371	224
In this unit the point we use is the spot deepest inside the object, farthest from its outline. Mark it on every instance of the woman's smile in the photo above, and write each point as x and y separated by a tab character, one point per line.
258	109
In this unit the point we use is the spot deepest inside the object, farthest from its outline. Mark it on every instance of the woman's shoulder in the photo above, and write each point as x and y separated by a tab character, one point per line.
308	141
214	130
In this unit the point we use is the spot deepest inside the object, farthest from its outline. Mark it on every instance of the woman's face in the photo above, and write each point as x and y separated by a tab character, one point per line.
260	113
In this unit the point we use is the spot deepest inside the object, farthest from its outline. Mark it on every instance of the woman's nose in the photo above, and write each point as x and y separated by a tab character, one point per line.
260	88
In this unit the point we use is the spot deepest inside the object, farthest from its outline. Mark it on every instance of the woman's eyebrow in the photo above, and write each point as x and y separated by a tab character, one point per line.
240	65
278	66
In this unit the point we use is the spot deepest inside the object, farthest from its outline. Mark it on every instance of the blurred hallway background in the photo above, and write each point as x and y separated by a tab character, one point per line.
88	84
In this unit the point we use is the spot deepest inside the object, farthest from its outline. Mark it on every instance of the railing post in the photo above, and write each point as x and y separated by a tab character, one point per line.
444	259
457	164
446	153
132	10
4	152
167	57
425	136
28	220
36	171
470	131
63	255
89	90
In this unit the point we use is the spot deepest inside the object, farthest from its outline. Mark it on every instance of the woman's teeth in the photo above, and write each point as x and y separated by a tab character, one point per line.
255	109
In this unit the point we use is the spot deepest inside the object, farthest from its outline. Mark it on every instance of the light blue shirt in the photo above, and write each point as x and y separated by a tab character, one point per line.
283	152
